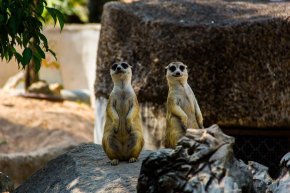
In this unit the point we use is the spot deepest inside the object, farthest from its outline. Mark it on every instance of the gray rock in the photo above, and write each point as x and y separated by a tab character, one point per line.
76	95
40	87
236	53
282	183
19	166
6	184
203	161
261	178
84	169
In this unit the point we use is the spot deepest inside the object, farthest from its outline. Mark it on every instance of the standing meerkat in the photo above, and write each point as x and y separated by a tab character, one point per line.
123	134
182	108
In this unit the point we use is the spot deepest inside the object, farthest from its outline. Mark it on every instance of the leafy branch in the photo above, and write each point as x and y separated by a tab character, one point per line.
21	24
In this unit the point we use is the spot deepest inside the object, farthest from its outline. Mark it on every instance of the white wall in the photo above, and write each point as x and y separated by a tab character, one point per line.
76	50
7	70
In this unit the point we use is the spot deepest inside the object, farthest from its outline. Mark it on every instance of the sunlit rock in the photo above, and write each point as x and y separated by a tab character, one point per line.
84	169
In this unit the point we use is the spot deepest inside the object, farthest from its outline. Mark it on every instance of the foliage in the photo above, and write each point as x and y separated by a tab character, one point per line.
70	8
21	25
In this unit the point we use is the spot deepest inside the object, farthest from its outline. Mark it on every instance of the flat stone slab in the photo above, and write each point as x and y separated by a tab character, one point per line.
84	169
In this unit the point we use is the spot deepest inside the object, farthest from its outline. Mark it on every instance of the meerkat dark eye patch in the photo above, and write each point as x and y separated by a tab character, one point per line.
182	68
114	66
172	68
124	65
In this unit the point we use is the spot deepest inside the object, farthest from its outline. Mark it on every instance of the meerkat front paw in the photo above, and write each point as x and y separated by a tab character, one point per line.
114	162
184	128
184	123
132	160
129	125
116	130
116	127
129	129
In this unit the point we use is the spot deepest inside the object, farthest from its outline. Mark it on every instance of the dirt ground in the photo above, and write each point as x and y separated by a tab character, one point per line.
30	124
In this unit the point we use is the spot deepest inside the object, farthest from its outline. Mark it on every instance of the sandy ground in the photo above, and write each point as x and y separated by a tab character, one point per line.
30	124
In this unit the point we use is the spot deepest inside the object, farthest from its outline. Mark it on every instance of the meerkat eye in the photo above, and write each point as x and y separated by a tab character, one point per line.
114	67
172	68
124	65
181	68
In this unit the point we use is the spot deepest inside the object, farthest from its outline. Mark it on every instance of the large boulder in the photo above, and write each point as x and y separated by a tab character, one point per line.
203	161
84	169
32	132
19	166
237	55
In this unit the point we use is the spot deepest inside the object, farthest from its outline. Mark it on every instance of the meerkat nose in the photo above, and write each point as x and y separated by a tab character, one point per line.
178	73
118	68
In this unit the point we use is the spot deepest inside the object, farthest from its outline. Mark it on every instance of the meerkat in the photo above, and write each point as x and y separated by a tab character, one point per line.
182	108
123	134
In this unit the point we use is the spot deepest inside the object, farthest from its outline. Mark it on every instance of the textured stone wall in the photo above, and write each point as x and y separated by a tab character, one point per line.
237	54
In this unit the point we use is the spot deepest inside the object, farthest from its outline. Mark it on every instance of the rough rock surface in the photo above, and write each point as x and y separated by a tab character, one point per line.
203	161
263	183
32	132
261	178
84	169
20	166
237	53
6	184
282	184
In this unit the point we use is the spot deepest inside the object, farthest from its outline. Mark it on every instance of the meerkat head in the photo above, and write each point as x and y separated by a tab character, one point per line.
176	72
121	71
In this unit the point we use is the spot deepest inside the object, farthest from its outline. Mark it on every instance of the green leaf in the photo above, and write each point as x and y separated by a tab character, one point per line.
39	9
6	56
39	51
12	25
52	52
51	11
27	55
60	18
1	18
44	40
26	38
10	53
19	58
18	40
43	1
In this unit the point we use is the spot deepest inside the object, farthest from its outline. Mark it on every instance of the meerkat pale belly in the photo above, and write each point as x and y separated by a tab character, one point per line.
188	107
122	107
124	139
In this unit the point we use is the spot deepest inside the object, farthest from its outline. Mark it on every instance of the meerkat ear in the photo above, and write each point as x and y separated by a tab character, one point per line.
166	69
129	64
